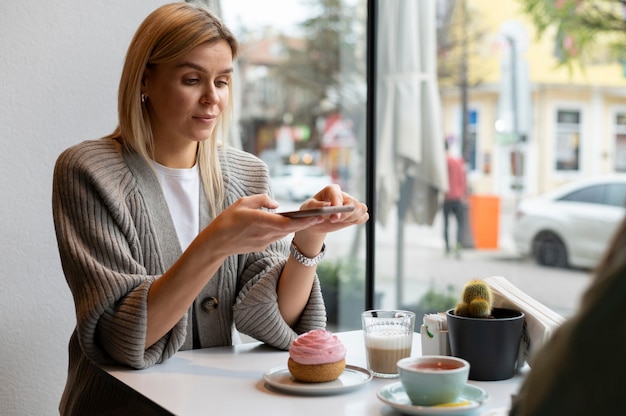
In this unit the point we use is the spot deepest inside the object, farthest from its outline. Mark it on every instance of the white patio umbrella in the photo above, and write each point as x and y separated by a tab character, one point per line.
411	164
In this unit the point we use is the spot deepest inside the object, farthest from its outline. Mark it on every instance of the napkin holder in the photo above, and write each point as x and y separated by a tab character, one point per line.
540	321
434	335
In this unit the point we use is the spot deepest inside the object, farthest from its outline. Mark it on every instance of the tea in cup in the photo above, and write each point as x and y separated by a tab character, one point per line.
433	379
388	336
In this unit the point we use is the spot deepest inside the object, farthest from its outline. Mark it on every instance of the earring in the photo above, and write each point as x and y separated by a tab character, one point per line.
143	97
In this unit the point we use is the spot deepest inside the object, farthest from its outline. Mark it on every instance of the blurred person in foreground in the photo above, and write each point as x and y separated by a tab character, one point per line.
454	200
581	369
167	238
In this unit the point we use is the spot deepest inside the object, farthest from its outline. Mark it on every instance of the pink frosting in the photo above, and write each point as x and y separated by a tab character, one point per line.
317	347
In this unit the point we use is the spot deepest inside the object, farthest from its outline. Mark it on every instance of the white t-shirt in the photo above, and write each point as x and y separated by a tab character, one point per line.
181	188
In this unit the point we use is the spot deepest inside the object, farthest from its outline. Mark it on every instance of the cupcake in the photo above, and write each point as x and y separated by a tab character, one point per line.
316	357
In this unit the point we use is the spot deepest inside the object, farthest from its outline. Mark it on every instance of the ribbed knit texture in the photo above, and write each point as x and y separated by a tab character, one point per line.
116	237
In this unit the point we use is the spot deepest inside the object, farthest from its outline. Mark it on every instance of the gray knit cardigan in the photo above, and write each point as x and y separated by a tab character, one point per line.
116	237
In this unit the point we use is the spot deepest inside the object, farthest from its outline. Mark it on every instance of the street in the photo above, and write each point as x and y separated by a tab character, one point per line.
426	265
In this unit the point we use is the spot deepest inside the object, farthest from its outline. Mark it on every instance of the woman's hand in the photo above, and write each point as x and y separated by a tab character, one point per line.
332	195
241	228
244	227
294	286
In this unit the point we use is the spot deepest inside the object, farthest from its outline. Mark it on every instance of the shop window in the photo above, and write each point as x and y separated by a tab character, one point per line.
568	130
620	143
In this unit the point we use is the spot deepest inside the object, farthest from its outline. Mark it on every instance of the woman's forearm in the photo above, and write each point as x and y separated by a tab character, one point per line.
296	279
173	293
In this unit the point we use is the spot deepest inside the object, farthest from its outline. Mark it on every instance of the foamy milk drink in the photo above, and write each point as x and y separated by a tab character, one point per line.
388	336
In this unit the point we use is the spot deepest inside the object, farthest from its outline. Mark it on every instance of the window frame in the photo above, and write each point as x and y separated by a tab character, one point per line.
616	131
582	114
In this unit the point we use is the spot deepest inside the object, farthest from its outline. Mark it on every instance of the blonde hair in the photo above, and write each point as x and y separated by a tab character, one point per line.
167	33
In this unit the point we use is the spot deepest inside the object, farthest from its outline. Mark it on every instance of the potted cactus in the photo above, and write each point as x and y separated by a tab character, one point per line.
487	337
476	300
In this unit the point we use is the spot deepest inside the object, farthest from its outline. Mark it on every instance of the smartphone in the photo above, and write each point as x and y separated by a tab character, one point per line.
317	211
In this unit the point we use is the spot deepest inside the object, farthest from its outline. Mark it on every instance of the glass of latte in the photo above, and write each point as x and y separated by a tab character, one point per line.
388	336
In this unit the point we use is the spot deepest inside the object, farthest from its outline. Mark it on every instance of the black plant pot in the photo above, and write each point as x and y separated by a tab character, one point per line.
490	345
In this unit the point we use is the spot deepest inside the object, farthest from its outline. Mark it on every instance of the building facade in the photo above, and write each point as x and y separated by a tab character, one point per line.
533	125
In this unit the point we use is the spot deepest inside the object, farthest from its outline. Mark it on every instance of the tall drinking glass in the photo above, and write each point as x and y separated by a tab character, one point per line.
388	336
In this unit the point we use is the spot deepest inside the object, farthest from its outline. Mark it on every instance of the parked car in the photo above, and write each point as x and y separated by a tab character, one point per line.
299	182
571	226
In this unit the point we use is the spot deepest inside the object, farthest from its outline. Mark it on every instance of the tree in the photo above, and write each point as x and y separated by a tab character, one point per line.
585	32
459	34
318	63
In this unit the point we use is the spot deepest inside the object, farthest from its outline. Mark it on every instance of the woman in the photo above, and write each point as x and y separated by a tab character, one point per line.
167	238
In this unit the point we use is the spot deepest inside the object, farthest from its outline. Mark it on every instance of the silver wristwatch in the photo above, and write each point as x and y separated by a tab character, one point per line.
307	261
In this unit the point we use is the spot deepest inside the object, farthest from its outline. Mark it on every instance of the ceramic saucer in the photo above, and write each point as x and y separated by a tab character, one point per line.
352	378
394	395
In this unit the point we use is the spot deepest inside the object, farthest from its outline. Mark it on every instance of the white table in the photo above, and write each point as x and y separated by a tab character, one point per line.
229	380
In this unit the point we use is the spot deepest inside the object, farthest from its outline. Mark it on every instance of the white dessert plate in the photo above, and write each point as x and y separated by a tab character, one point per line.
394	395
352	378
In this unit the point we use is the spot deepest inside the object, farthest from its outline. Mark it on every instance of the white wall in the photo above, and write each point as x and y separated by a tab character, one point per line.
60	63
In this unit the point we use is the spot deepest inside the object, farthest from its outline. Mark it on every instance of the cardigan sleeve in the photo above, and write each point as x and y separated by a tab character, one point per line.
108	256
256	310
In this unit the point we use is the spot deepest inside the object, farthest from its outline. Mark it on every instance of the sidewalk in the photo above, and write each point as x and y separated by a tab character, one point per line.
426	265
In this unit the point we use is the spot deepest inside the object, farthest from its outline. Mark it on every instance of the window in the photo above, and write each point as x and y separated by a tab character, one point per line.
620	143
591	194
613	194
319	81
568	130
303	104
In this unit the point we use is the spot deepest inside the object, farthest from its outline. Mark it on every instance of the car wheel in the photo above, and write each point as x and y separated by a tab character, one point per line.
549	250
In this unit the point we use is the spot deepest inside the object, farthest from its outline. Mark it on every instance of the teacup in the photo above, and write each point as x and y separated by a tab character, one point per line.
433	379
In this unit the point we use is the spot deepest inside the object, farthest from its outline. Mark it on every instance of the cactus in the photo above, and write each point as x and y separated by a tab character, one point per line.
477	300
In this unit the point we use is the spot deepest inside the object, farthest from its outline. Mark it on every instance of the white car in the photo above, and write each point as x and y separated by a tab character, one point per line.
299	182
573	225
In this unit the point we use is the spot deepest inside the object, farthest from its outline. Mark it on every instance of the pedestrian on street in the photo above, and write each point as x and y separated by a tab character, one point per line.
454	200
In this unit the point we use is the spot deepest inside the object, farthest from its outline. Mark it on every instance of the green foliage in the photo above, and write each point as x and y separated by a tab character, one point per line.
460	33
433	300
581	28
323	58
341	275
476	300
328	274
